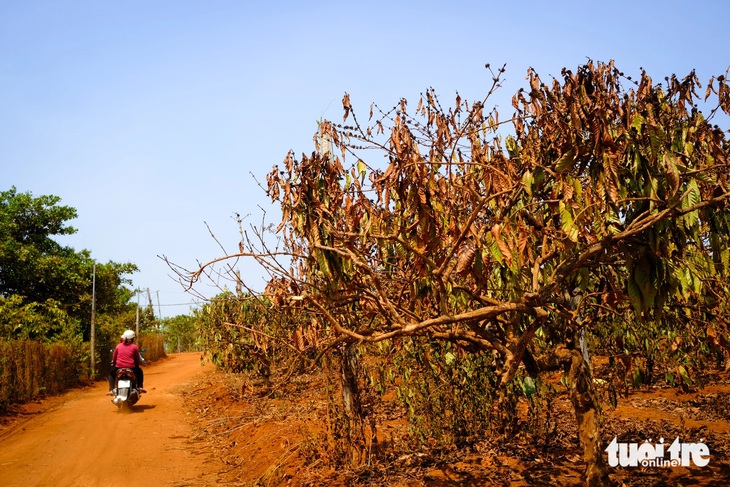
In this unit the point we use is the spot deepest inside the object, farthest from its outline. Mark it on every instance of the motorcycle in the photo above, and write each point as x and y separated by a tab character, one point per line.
126	393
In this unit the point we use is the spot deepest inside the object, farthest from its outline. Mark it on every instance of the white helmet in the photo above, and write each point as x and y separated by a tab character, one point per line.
128	335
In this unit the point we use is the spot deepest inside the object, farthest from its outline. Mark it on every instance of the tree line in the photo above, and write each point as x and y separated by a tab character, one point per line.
46	297
46	287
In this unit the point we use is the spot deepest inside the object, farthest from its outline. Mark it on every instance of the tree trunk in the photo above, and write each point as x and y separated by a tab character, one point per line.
586	415
352	404
350	389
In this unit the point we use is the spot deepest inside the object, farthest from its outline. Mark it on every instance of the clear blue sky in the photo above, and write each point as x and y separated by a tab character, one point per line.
150	118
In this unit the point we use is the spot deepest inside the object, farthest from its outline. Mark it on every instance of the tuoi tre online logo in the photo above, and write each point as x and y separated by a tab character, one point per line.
655	455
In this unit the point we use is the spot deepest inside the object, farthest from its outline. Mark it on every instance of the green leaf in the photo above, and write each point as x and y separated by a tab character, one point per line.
565	162
449	358
528	386
642	276
527	181
494	251
637	122
692	197
567	223
512	148
684	375
635	295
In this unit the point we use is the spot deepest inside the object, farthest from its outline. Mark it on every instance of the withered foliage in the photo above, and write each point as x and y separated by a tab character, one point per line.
597	212
592	201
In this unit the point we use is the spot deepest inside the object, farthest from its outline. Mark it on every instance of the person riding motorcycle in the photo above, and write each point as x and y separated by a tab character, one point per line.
126	355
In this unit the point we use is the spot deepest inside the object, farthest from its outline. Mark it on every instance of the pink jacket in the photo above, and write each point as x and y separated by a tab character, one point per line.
126	355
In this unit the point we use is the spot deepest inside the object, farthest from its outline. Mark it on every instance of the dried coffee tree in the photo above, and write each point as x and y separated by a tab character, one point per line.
591	200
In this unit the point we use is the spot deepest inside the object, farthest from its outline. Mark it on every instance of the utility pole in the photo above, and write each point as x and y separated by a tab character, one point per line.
149	298
159	308
93	323
136	327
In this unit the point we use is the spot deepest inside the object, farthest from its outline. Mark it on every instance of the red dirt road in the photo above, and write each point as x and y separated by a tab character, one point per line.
83	440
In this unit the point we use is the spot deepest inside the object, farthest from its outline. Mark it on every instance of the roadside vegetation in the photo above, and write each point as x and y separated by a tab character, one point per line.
45	302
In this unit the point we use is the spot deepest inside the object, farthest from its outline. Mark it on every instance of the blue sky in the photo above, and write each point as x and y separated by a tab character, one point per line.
153	118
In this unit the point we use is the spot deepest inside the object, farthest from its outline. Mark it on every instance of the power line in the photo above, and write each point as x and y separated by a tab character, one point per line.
176	304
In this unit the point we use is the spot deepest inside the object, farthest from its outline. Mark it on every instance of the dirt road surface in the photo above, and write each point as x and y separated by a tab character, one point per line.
83	440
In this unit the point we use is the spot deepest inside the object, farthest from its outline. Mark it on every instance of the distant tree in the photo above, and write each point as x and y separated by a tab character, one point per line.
181	333
32	264
39	275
